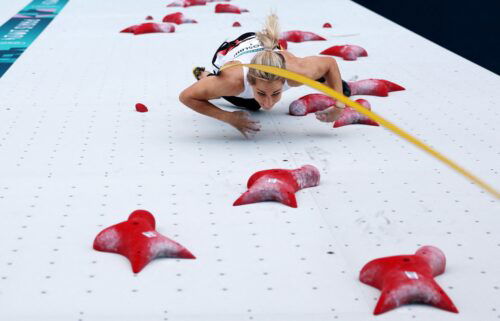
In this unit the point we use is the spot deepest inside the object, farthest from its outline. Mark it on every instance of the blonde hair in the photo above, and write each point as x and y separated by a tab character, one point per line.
269	37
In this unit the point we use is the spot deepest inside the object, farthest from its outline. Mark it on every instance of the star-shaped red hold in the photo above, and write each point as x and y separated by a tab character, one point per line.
137	239
187	3
310	104
150	27
178	18
300	36
228	8
348	52
278	185
374	87
350	116
317	102
408	278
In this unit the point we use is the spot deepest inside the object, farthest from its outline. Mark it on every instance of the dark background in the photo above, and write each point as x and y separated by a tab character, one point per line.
470	29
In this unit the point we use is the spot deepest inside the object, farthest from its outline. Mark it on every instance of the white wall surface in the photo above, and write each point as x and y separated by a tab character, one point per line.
75	158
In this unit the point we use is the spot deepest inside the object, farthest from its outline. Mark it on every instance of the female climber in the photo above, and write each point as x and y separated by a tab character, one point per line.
253	89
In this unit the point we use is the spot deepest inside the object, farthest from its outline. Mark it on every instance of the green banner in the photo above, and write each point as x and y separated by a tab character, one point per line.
21	30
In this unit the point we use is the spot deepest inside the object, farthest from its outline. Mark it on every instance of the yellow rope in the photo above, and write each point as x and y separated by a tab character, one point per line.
382	121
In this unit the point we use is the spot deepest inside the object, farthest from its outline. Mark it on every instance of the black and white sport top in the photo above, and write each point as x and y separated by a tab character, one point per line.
242	52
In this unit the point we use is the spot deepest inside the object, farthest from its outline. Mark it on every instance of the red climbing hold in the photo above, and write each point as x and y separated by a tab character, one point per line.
149	18
317	102
283	44
138	240
141	108
327	25
278	185
348	52
178	18
187	3
374	87
236	24
152	27
310	104
228	8
177	3
350	116
300	36
408	278
130	29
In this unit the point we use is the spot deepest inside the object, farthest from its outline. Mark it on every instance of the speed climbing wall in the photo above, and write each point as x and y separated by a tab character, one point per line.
77	158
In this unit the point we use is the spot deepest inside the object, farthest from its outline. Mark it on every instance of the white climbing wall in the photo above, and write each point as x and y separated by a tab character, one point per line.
75	158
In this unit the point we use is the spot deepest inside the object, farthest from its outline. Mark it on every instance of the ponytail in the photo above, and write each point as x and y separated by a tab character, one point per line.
270	35
269	38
